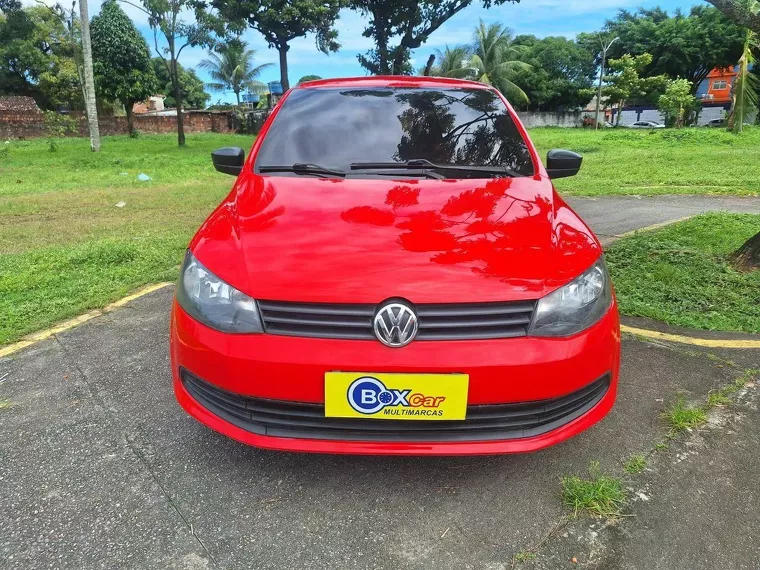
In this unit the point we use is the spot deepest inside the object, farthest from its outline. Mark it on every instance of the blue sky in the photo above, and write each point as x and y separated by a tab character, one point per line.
539	17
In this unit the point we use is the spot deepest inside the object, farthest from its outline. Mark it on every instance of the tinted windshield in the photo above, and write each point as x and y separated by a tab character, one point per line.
337	127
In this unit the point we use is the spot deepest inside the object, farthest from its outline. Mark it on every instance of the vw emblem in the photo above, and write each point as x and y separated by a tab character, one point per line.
395	325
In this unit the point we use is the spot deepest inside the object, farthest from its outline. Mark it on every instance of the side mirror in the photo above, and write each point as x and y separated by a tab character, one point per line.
562	163
228	160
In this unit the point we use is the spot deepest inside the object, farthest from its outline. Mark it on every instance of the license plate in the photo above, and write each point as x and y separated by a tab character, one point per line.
396	396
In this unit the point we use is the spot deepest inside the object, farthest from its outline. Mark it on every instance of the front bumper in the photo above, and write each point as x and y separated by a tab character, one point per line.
288	372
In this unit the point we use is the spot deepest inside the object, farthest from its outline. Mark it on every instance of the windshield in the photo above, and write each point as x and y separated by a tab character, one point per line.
337	127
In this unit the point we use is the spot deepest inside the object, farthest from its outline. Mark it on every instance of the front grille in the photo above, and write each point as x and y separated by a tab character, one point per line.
307	421
436	321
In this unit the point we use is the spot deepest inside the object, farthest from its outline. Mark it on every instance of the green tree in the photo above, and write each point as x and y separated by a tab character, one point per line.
687	45
677	103
450	61
38	54
745	14
122	64
167	17
232	68
308	78
407	22
59	86
625	82
746	85
88	79
739	12
491	59
562	73
282	21
191	87
495	61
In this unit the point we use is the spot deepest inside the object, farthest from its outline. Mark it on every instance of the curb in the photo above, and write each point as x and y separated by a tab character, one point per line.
654	227
76	321
706	342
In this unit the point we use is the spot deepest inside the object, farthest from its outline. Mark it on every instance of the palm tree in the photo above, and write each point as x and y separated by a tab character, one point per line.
232	68
492	59
746	88
90	104
495	60
747	85
451	62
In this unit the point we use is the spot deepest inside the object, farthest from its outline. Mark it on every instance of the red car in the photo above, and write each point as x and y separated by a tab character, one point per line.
394	273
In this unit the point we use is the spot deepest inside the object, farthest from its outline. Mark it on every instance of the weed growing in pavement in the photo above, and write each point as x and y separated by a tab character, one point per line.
525	555
635	464
681	416
717	398
599	495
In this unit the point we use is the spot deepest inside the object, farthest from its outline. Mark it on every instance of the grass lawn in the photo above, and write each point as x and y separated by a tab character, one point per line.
681	275
65	247
663	161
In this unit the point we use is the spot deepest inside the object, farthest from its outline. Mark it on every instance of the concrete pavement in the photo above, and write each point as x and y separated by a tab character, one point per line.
611	216
695	506
100	468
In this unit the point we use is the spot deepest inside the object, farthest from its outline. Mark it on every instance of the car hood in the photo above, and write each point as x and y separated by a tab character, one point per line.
309	239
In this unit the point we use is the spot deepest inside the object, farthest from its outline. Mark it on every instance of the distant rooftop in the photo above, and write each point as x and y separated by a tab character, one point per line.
17	103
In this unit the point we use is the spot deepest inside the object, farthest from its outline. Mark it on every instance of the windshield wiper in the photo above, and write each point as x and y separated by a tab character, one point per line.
423	163
302	168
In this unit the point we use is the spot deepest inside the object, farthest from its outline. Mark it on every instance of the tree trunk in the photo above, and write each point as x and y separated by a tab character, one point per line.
739	13
747	257
429	65
381	39
398	61
89	82
130	118
283	49
237	95
178	98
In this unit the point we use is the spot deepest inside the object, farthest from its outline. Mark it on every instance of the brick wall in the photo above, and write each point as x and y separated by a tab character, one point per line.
30	124
27	125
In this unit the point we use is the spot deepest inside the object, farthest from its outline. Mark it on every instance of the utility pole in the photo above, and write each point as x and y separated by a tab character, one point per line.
605	49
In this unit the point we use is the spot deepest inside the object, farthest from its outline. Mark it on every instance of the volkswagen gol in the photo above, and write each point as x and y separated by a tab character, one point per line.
393	272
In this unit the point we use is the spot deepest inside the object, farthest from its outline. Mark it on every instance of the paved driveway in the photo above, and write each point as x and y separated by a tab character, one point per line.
100	468
611	216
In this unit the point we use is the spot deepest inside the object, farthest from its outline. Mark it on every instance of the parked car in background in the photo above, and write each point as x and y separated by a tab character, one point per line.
716	123
646	125
394	273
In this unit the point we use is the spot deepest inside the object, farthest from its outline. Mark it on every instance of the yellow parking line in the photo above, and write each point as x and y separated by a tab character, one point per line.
707	342
653	227
76	321
137	294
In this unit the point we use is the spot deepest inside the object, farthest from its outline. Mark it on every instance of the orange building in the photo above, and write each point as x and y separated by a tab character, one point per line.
717	87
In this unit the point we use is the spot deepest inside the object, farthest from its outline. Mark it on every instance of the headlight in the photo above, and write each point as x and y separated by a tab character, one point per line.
576	306
215	303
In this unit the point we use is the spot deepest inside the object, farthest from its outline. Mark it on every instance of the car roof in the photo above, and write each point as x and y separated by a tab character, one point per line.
393	81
